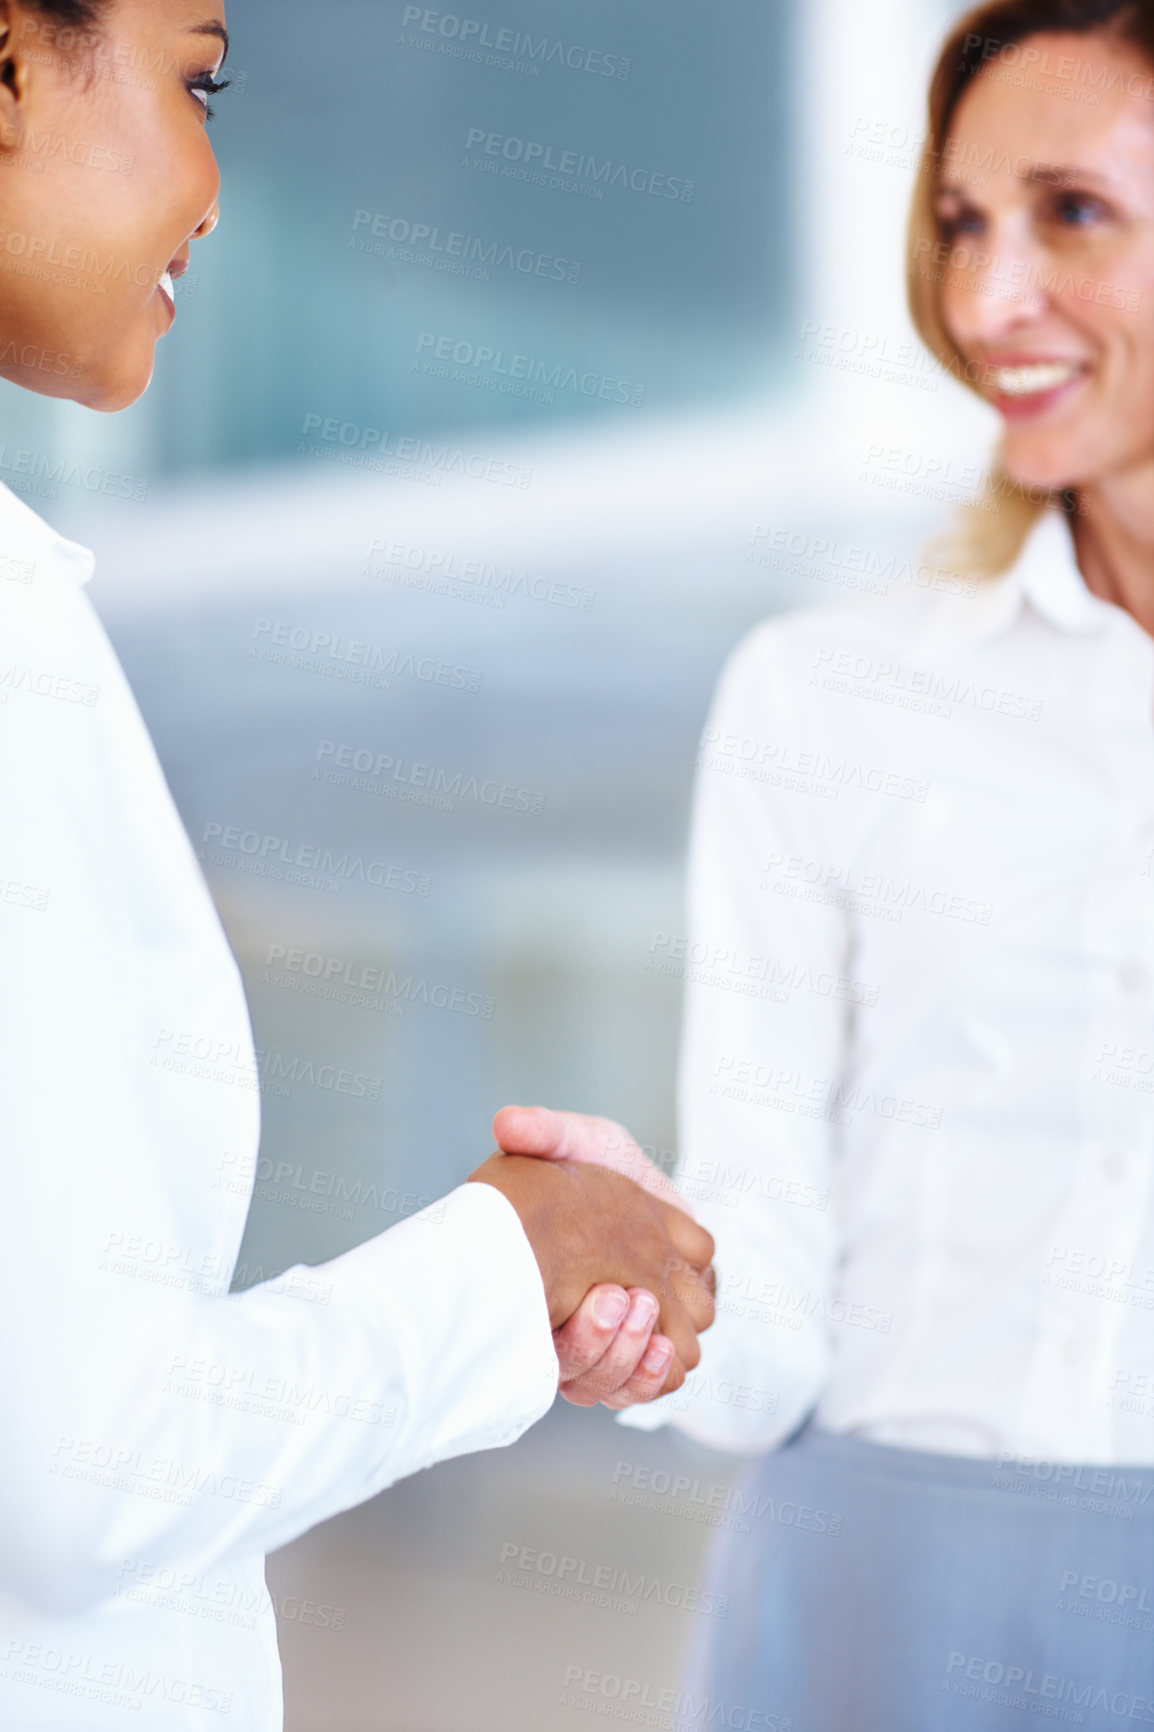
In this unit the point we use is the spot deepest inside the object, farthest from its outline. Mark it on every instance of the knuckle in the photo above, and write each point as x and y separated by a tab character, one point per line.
579	1335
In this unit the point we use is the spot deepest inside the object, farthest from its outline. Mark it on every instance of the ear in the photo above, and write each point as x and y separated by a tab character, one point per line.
13	75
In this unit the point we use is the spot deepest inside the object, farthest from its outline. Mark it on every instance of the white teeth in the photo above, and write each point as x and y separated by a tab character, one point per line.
167	285
1037	376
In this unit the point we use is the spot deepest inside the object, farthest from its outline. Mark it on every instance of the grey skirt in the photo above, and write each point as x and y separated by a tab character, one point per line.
871	1589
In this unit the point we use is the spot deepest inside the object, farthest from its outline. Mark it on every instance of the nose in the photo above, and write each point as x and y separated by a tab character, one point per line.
211	219
999	288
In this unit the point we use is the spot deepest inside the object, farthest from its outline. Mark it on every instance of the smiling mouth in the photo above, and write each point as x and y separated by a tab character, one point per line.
168	289
1033	377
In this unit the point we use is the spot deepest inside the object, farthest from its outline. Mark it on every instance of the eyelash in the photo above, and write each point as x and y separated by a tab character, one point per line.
209	86
1084	200
952	225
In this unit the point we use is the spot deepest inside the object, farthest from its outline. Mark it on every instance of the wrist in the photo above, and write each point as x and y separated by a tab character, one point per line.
523	1181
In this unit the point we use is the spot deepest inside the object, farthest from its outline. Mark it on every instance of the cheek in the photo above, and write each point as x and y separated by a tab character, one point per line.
165	204
1103	289
956	308
950	304
171	177
1113	323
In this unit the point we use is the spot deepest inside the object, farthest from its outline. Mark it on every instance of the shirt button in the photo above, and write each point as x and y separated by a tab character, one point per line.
1114	1166
1072	1351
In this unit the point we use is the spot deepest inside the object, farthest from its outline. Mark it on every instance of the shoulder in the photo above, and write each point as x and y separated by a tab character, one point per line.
775	664
28	542
41	581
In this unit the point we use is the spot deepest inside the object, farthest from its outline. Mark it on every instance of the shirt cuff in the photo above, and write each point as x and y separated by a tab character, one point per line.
459	1293
650	1415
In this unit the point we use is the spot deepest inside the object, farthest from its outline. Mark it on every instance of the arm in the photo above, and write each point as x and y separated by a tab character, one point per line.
757	1137
756	1131
149	1414
177	1427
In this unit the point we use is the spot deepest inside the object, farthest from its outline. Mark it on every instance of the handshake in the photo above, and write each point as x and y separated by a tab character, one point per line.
627	1271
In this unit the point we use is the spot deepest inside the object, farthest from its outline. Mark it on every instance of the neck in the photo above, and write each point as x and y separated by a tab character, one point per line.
1114	541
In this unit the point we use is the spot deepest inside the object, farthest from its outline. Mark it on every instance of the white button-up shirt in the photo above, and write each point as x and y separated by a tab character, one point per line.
917	1092
159	1434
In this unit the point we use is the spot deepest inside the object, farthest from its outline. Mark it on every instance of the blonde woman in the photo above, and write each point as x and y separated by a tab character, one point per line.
931	1169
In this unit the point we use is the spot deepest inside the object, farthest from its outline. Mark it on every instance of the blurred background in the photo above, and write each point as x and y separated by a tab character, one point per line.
543	348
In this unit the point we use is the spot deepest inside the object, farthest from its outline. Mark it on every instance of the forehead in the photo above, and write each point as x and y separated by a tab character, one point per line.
1076	102
169	16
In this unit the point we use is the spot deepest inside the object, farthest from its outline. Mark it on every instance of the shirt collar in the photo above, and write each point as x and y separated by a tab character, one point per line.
23	523
1044	577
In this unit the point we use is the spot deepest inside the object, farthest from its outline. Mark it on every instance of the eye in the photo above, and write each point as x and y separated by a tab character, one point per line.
1076	210
959	220
205	85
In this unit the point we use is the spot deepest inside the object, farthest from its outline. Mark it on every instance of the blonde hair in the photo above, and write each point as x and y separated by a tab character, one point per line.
988	535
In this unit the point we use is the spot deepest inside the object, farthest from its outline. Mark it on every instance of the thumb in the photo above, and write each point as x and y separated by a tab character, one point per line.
564	1136
530	1131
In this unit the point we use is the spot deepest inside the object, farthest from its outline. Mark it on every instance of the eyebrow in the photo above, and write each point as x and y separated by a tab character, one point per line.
1053	176
1042	174
212	28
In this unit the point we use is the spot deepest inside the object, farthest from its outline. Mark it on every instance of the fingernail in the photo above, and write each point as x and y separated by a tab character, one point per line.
657	1356
610	1308
644	1311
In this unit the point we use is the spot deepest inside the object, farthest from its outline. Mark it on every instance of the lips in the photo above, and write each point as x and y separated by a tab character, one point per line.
168	279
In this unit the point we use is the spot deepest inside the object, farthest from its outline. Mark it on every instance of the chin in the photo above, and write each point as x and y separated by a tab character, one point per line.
109	382
1040	468
107	395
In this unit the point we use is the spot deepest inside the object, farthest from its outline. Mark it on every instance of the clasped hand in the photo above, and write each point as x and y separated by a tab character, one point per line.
627	1270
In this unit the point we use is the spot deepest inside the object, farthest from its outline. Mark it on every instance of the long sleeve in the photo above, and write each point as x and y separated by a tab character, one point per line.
149	1414
767	1002
154	1423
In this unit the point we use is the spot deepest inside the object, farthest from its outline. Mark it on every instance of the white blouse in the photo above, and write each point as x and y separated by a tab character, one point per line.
917	1091
159	1434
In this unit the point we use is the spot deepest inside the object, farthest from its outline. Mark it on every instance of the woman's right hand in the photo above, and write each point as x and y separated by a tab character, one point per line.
589	1227
611	1351
619	1362
562	1136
